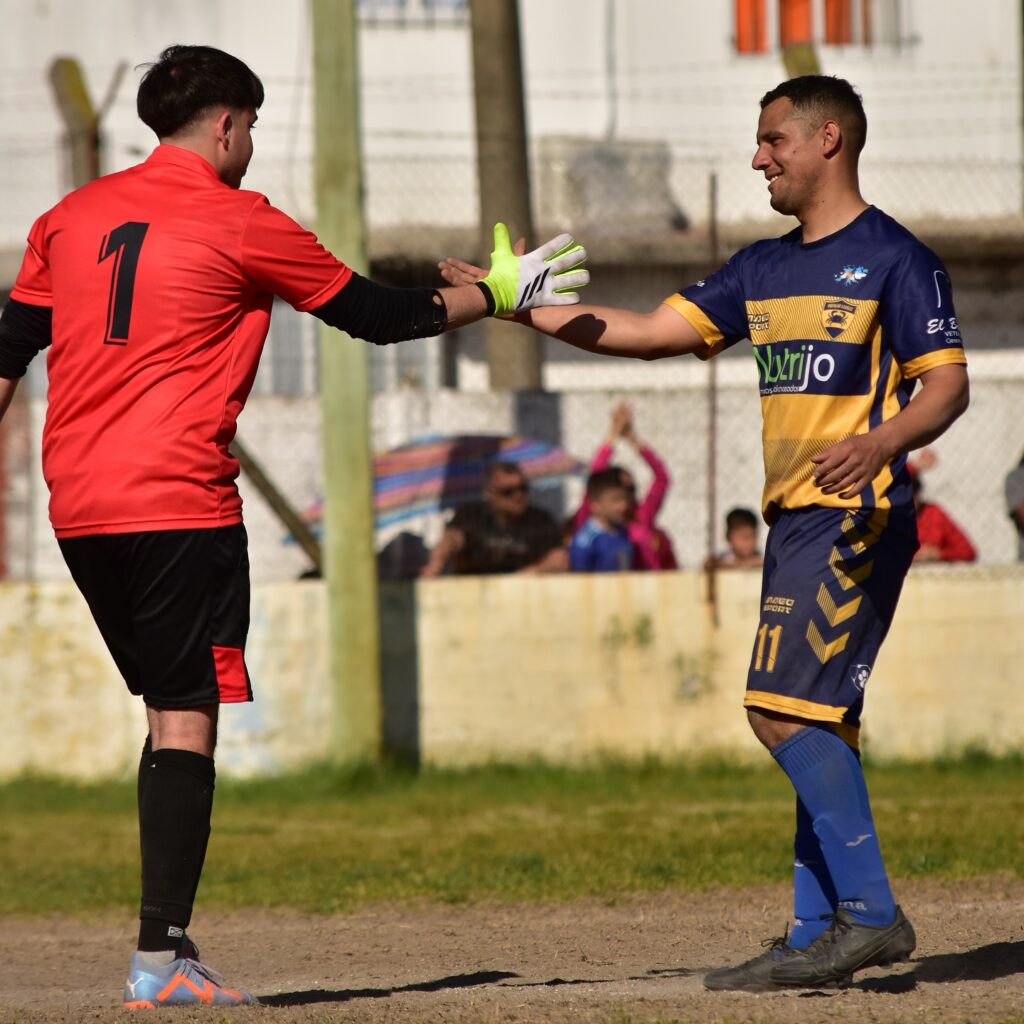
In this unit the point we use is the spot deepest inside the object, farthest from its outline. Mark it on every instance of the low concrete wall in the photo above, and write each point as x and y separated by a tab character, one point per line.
568	667
66	710
504	668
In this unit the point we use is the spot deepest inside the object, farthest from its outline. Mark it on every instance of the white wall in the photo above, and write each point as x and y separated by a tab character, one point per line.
947	99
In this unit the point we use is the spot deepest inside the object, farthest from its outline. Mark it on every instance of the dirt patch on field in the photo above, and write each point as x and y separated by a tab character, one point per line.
641	959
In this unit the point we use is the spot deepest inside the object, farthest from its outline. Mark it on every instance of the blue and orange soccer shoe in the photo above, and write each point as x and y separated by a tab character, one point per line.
183	982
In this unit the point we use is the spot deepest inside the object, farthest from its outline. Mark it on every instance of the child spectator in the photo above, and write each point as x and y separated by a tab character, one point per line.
602	543
741	536
652	547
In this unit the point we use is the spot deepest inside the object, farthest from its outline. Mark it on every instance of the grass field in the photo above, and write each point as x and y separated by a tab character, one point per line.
331	840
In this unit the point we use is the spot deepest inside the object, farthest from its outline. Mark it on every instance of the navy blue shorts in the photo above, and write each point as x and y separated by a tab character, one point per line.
832	578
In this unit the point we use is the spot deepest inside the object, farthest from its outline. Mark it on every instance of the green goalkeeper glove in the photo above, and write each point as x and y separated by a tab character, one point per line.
548	276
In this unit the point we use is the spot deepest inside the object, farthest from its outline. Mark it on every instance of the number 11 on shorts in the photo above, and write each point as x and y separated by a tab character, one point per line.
772	637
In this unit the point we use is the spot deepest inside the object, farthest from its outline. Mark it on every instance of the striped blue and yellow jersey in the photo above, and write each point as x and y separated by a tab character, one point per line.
841	328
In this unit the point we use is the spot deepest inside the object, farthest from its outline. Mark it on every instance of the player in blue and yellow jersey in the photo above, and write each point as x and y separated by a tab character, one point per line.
846	314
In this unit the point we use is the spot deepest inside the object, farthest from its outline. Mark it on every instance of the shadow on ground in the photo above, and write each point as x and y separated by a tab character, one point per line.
320	995
986	963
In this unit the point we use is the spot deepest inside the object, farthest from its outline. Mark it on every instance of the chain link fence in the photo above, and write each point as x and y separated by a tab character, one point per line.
643	207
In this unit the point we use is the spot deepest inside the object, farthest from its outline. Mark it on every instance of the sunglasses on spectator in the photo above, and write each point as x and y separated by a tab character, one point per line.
507	492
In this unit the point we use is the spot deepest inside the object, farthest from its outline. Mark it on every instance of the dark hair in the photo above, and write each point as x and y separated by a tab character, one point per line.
492	469
825	97
739	517
189	80
604	480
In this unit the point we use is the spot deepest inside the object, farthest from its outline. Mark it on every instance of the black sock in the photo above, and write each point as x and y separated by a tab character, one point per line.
147	750
175	801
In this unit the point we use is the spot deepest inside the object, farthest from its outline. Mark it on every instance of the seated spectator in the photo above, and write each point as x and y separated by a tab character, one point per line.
741	536
503	533
652	547
1015	504
602	543
940	538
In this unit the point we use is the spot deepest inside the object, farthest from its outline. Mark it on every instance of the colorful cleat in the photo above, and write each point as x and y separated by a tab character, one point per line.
182	982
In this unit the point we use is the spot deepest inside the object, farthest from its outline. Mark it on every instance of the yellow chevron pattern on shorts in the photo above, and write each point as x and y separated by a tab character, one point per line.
860	540
847	575
825	651
837	613
857	540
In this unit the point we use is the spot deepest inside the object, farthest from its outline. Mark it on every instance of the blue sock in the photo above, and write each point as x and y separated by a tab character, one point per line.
828	779
814	893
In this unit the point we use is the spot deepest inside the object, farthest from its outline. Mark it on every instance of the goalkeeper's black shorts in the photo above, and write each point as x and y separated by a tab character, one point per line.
173	609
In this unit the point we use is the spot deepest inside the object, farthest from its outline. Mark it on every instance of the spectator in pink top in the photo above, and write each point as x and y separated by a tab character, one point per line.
652	547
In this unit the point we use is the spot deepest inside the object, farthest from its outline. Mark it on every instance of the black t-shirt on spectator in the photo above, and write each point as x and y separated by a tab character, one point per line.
490	548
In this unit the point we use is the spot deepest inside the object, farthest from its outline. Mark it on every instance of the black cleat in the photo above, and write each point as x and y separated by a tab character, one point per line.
844	948
754	975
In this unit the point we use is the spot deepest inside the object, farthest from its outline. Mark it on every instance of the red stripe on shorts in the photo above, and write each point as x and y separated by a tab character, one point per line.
230	668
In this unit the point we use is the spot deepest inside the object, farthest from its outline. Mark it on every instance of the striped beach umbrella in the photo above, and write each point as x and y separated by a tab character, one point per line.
438	472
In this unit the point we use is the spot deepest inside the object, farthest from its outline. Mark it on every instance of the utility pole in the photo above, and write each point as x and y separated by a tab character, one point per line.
349	563
513	357
81	119
801	59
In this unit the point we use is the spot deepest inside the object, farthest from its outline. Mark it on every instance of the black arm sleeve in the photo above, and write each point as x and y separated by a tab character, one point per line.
384	315
24	331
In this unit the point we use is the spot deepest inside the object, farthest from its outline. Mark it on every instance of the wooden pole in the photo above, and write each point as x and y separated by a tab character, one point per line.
81	119
348	552
279	504
513	355
712	423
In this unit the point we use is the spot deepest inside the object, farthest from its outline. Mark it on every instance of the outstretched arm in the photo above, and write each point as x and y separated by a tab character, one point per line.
848	467
383	315
601	329
651	505
605	330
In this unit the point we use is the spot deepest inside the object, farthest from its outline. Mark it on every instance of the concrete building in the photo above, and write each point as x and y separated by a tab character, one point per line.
631	105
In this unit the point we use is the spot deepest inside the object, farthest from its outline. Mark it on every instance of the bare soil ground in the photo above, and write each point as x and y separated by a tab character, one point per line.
640	959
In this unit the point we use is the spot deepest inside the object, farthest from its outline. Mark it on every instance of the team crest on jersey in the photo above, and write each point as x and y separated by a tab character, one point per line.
851	274
836	316
859	676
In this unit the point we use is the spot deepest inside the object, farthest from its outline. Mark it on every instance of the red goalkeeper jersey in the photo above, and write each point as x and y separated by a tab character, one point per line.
161	280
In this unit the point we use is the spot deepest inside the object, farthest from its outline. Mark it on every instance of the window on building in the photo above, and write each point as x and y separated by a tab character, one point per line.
763	26
795	22
838	26
750	27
